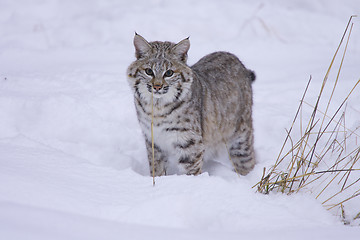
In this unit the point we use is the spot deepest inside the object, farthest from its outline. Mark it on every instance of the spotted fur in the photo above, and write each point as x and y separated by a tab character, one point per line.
196	108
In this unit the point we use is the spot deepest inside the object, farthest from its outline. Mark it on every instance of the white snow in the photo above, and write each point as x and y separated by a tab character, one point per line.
72	157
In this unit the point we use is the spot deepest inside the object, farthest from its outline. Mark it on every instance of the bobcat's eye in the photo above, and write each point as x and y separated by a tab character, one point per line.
149	72
168	73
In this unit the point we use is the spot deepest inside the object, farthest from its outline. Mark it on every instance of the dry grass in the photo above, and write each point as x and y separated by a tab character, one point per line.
324	158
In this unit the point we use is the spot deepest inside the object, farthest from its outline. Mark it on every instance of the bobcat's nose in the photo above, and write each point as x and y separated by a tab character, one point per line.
157	87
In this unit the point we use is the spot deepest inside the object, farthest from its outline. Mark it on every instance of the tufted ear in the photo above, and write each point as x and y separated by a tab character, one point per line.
181	49
141	46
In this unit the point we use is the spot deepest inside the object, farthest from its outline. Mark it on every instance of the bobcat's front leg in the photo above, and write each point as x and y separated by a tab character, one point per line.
160	159
191	156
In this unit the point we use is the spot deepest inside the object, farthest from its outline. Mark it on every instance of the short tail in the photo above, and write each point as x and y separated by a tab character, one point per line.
252	75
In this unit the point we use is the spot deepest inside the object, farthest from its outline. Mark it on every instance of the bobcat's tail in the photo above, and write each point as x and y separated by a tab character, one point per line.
252	75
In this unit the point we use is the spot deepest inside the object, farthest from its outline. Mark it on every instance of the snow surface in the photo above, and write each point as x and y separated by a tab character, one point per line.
72	158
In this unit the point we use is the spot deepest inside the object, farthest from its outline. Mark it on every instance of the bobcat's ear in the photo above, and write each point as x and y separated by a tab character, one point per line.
181	49
141	46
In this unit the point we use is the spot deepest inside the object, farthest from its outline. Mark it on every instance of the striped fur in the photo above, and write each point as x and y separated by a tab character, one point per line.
194	107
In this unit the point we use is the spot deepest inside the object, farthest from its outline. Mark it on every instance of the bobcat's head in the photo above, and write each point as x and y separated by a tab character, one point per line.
160	68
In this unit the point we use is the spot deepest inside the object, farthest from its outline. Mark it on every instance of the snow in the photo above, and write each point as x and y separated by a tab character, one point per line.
72	156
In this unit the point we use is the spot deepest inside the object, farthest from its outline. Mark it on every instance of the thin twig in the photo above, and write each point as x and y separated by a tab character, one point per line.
152	136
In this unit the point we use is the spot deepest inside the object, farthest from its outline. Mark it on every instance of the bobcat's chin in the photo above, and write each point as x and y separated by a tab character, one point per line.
159	95
165	96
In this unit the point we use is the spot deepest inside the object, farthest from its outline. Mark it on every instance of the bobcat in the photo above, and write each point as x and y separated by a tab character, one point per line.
196	109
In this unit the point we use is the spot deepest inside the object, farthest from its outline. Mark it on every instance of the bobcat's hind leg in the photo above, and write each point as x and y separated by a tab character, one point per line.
242	152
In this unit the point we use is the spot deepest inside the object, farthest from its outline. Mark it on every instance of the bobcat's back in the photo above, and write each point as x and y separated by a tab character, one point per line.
226	95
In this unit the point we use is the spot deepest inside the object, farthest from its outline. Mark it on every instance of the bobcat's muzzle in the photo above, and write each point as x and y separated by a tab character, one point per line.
157	84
